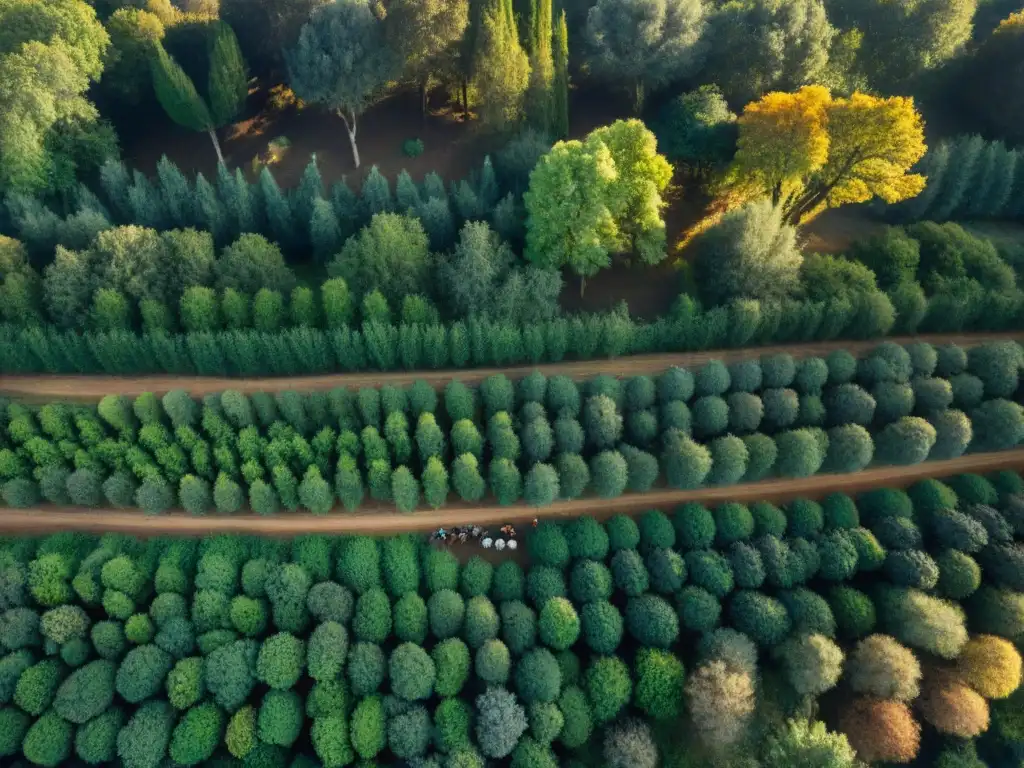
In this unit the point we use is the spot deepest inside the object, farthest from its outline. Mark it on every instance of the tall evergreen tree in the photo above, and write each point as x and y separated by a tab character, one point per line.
310	189
276	210
560	88
502	70
324	232
542	68
178	96
209	211
177	193
229	77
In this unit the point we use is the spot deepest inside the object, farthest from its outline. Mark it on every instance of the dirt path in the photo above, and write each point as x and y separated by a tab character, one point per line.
383	520
91	388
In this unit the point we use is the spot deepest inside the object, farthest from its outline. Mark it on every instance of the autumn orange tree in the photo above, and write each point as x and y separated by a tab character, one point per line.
808	151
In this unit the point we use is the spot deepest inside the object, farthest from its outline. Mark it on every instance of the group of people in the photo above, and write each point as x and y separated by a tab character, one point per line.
462	534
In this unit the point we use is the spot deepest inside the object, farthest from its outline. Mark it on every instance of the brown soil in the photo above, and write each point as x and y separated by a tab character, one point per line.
836	229
385	520
91	388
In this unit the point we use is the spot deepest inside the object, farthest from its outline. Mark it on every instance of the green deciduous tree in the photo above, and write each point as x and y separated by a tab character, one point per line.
323	70
643	45
500	65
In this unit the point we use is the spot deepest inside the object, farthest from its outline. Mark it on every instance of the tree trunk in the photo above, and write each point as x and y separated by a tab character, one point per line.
212	132
583	284
350	128
424	97
465	101
638	97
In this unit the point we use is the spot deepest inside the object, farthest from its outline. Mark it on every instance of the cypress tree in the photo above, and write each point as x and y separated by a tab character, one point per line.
276	209
433	186
346	208
542	68
229	78
560	88
406	192
146	204
324	232
310	189
237	198
502	68
976	198
375	195
178	96
1001	188
934	166
209	211
488	187
178	197
115	182
964	156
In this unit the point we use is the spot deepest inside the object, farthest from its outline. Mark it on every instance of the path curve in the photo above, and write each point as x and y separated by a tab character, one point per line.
90	388
385	520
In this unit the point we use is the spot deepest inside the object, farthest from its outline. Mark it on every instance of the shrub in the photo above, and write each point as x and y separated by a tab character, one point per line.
586	538
445	610
800	452
694	526
710	570
745	412
577	718
518	626
48	741
481	621
630	744
801	742
366	668
411	672
451	662
280	718
652	621
745	376
879	666
721	701
922	621
608	687
710	416
685	462
492	662
96	741
559	626
854	612
142	673
410	618
537	676
602	626
546	721
911	568
667	571
838	556
812	663
951	707
660	678
508	582
540	487
623	533
809	611
850	449
699	610
328	646
602	421
997	611
897	533
850	404
881	730
998	529
501	720
998	425
629	573
372	620
609	474
956	530
281	660
959	575
367	727
990	665
452	721
761	617
197	734
548	545
185	683
544	582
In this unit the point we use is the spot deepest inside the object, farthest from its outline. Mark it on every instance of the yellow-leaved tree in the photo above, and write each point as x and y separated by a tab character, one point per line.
808	151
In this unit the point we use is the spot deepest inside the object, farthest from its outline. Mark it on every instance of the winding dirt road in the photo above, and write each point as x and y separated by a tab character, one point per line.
91	388
385	520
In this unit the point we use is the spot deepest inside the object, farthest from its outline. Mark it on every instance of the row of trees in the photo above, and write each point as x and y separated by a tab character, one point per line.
390	649
968	178
284	450
479	342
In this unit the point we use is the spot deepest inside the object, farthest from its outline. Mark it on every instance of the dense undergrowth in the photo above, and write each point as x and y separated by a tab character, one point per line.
538	440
